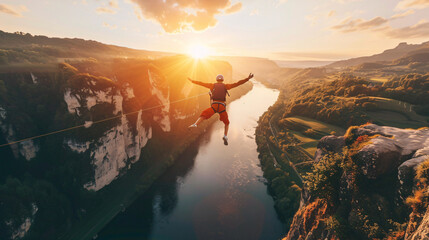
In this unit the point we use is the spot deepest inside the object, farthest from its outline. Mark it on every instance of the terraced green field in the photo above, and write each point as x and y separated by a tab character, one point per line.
396	113
309	143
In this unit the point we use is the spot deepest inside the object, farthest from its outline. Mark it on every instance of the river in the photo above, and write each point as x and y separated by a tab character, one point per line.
213	191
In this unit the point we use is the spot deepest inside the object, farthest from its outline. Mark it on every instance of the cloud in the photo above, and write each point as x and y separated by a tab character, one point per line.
101	10
401	15
419	30
13	10
332	13
185	15
380	25
114	4
417	4
353	25
112	27
234	8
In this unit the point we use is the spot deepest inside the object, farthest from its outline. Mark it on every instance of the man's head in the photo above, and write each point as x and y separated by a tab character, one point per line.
219	78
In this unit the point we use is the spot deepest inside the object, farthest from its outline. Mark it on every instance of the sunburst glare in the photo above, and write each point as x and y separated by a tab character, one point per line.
199	51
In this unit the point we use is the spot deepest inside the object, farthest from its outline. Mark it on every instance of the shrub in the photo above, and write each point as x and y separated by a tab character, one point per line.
323	181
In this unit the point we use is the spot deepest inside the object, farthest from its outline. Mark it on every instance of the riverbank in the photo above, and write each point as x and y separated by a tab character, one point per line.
154	162
284	182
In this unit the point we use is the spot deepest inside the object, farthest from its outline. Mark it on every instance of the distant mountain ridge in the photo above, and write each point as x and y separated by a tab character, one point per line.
69	47
400	51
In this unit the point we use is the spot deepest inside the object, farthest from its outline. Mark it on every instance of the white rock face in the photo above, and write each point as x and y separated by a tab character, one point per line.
120	146
164	118
409	140
129	93
72	102
77	147
113	152
26	149
92	98
177	115
2	113
34	78
25	226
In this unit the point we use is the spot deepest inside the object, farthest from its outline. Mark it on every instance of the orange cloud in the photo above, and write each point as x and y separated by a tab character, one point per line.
353	25
379	25
114	4
419	30
234	8
404	14
105	10
418	4
185	15
13	10
112	27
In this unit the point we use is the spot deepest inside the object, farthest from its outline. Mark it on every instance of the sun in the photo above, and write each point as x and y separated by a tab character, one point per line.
199	51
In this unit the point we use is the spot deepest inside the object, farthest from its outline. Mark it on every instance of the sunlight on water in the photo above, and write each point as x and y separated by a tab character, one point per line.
222	194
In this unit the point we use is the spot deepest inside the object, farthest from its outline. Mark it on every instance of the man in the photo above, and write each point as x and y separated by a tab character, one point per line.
218	93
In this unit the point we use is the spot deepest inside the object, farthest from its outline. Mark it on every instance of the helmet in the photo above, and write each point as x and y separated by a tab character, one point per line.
219	78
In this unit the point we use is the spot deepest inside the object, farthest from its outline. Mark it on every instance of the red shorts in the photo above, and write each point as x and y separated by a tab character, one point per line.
223	115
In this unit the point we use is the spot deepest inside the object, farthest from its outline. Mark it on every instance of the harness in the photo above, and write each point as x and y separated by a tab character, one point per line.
218	103
214	98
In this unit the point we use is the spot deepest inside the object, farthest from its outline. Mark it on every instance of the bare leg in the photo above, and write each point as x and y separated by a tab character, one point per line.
225	138
199	120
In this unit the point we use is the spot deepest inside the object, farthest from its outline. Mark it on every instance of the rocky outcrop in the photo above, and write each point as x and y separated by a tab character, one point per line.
27	149
371	154
389	147
329	144
310	223
23	227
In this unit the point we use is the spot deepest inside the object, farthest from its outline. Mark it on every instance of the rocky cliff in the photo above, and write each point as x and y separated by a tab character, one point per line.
365	185
121	107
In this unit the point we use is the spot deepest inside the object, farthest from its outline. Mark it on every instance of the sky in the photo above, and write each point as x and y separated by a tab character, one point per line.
276	29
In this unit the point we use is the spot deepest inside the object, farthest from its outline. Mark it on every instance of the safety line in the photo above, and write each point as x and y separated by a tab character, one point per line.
96	122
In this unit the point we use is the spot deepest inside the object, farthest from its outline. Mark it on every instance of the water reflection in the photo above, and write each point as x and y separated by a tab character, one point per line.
160	200
213	191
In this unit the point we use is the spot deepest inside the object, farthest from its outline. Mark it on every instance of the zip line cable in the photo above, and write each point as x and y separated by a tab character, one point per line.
96	122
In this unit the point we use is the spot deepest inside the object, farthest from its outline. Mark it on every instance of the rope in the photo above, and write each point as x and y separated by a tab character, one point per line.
96	122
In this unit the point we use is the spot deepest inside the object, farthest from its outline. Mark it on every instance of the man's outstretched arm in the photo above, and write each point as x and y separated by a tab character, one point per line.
236	84
207	85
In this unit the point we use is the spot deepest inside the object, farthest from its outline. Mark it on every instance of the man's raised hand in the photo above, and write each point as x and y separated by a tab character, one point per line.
190	79
250	76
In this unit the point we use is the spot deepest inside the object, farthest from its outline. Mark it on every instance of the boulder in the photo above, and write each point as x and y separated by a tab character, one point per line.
329	144
406	173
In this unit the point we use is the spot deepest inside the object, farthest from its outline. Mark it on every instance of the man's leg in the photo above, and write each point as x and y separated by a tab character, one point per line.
199	120
225	120
206	114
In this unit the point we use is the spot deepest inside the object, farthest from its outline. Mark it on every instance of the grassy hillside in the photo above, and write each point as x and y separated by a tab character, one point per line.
25	48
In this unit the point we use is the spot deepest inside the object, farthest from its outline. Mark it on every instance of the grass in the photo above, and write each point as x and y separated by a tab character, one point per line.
309	144
284	163
310	147
317	125
396	113
301	148
301	137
